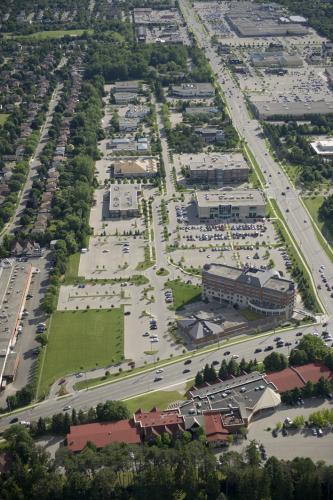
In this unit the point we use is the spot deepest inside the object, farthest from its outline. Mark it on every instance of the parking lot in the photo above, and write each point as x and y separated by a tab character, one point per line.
109	256
296	443
193	243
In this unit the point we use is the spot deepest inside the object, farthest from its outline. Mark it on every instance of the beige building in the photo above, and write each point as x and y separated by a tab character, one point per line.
134	167
218	168
124	201
234	205
262	291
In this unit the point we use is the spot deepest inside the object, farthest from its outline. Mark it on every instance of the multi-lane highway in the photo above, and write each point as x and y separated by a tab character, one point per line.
173	376
277	181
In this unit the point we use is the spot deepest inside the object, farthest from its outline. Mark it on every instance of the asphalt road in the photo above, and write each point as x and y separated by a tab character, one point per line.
277	181
34	164
172	376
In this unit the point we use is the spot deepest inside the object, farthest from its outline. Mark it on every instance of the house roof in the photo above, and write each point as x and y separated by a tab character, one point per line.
286	379
314	371
156	417
297	376
214	427
102	434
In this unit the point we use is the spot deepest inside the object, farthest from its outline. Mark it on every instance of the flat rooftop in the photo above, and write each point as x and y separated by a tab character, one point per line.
268	108
235	197
255	277
132	166
13	287
215	161
124	197
324	147
229	396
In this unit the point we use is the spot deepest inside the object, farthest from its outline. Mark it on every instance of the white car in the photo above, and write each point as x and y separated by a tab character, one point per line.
235	356
160	370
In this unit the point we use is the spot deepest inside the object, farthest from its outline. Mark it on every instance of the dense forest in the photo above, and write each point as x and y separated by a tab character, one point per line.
186	471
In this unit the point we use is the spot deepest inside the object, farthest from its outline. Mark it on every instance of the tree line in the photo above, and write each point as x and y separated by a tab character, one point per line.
187	471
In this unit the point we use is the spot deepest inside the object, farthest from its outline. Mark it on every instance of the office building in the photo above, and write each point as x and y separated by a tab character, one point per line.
262	291
124	201
143	166
233	205
218	169
193	90
323	148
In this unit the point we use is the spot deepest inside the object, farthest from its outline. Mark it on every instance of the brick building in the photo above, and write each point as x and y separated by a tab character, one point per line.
262	291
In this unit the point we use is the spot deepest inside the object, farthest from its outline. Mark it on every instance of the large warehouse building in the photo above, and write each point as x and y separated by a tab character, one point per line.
234	205
266	109
262	291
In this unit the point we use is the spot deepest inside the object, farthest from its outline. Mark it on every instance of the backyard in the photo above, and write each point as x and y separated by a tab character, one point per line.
80	341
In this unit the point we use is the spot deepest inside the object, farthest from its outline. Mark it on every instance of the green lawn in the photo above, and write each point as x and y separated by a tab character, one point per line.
44	35
72	269
249	315
81	341
183	293
313	204
3	118
161	399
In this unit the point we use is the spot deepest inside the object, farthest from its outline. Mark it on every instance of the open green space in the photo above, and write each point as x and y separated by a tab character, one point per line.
249	315
3	118
160	399
183	293
323	232
72	268
80	341
45	35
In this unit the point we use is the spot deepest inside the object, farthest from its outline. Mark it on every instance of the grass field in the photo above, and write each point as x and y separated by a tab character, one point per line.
323	232
44	35
183	293
81	341
249	315
161	399
3	118
72	267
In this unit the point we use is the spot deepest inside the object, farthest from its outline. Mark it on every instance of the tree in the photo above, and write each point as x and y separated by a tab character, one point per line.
252	454
298	421
275	362
298	357
198	379
233	368
112	411
223	371
314	347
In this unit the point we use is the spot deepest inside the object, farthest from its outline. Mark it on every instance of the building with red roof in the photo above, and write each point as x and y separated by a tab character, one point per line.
157	422
285	380
314	371
102	434
297	376
216	433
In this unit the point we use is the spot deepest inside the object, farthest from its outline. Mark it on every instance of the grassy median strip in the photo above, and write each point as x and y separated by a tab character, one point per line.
297	256
81	341
249	155
325	237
